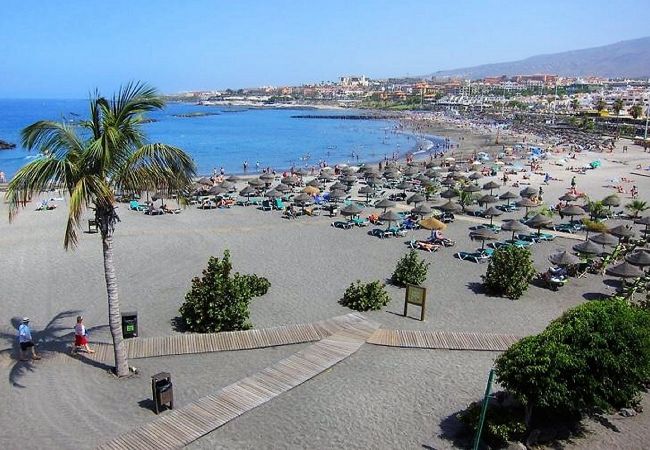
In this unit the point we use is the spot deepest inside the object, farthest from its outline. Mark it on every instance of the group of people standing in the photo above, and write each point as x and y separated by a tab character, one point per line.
26	341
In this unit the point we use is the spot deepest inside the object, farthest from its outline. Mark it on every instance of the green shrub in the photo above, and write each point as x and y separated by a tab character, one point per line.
509	272
594	357
365	296
502	424
410	269
219	301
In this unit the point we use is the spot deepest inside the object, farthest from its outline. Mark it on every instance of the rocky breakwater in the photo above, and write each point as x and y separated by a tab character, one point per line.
4	145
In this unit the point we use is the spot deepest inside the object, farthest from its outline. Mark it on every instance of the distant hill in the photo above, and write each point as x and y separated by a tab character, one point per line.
620	60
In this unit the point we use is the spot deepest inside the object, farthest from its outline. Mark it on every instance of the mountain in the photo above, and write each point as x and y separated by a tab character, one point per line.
625	59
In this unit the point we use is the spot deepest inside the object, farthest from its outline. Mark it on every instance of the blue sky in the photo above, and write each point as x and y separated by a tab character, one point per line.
65	49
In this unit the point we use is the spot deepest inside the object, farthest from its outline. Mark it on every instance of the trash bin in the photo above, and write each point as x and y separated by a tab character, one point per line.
162	391
129	324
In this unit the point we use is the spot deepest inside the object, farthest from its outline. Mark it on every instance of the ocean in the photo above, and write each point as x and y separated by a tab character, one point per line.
229	136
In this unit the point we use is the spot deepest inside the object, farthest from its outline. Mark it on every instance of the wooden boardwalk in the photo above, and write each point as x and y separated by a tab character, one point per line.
180	427
442	340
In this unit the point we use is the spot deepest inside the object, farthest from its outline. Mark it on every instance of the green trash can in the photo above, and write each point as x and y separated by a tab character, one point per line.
129	324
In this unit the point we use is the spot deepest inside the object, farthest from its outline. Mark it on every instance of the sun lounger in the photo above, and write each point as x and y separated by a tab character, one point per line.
477	257
154	211
423	245
278	204
381	234
343	225
358	221
266	205
135	206
397	231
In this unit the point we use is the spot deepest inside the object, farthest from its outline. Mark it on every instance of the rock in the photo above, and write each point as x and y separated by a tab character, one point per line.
4	145
516	446
627	412
532	438
547	435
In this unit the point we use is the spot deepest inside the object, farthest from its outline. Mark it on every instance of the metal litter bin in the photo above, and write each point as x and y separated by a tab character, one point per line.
129	324
162	391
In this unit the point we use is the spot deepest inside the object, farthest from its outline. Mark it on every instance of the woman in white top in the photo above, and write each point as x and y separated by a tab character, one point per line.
80	338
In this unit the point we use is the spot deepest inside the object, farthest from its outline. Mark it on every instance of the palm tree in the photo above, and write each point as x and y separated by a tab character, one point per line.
635	111
575	104
110	153
617	106
600	105
636	207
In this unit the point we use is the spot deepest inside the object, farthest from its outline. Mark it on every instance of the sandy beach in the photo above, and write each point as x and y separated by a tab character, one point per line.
379	397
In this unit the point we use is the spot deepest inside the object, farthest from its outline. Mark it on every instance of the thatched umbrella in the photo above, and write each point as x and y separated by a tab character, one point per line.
256	182
315	183
272	193
410	171
348	179
217	190
384	204
475	176
564	258
622	232
351	210
569	197
339	186
367	191
508	195
348	171
300	171
526	203
432	173
449	193
390	216
513	225
492	185
483	235
247	192
233	179
471	188
625	270
572	211
448	182
538	221
303	200
415	199
487	199
326	176
431	223
311	190
449	207
528	192
492	212
604	239
336	195
639	258
588	248
421	210
373	181
422	179
644	221
227	185
404	185
267	177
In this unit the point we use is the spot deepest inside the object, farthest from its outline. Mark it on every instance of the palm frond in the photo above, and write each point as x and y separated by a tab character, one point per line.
51	138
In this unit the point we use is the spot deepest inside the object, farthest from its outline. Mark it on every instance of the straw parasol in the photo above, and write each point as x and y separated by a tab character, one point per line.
336	195
508	195
564	258
450	207
291	180
639	258
339	186
492	185
588	248
373	180
448	182
421	210
572	211
390	216
367	191
514	226
431	223
528	192
300	171
247	192
410	171
384	204
227	185
475	176
422	178
538	221
471	188
612	200
449	193
314	183
311	190
267	177
404	185
622	232
415	198
625	270
283	188
483	235
432	173
351	210
326	176
487	199
569	197
348	179
644	221
526	203
233	179
217	190
256	182
604	239
272	193
492	212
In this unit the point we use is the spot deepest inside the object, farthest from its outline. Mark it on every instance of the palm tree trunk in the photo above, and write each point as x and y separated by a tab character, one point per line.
114	318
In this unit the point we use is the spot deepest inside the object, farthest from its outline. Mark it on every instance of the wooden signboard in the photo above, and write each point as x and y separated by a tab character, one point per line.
415	295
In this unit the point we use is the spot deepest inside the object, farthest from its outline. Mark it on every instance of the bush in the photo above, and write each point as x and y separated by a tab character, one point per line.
594	357
219	301
509	272
502	423
410	269
365	296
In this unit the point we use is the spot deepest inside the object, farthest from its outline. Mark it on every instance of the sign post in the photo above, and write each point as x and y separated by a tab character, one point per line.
415	295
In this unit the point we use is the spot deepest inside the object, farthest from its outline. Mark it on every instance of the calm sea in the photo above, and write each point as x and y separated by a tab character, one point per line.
230	136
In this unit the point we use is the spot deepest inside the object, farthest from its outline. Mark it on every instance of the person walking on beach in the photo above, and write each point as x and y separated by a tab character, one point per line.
25	340
573	183
81	337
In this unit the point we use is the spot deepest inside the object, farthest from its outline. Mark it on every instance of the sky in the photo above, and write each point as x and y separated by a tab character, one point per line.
51	49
